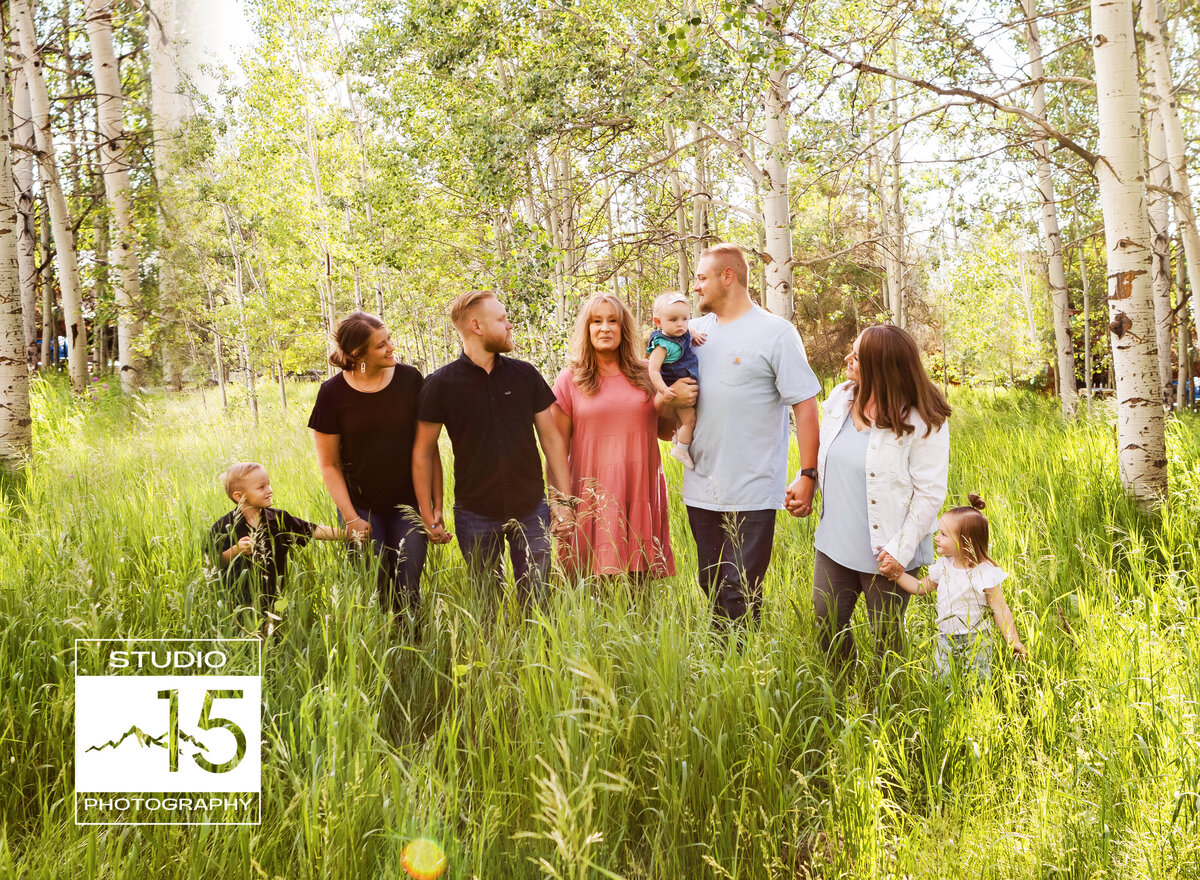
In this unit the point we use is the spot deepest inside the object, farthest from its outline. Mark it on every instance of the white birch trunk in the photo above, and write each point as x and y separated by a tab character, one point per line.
23	137
894	210
1184	375
16	439
1087	311
554	222
114	165
260	285
1160	241
1141	446
609	207
566	182
329	304
1027	301
1060	299
777	220
60	220
240	294
883	238
684	272
46	283
701	196
1164	95
169	107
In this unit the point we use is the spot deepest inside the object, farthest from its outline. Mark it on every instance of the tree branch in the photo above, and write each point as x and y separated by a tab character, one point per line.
958	92
738	150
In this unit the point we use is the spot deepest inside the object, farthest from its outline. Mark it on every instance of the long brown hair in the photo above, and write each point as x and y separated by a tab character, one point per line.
583	361
891	374
972	528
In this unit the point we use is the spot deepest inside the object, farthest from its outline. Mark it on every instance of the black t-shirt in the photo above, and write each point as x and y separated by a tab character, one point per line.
377	431
489	416
276	533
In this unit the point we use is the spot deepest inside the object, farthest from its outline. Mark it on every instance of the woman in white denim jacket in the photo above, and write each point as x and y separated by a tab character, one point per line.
882	470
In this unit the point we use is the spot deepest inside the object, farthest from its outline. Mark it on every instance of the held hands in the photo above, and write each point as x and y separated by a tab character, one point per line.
437	531
889	567
562	520
799	497
435	528
357	528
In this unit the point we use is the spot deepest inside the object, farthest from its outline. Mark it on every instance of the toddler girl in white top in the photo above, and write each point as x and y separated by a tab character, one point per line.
967	581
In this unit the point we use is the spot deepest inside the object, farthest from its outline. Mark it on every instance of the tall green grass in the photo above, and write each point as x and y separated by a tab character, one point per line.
611	735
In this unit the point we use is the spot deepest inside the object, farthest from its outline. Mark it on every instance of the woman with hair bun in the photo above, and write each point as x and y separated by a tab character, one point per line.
882	469
364	422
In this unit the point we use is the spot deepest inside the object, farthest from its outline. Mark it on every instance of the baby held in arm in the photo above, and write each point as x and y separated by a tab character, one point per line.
671	358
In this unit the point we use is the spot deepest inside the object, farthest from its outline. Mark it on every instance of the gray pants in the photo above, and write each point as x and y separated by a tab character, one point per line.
835	593
957	652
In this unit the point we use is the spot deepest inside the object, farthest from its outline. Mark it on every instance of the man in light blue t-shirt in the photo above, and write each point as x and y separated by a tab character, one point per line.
752	369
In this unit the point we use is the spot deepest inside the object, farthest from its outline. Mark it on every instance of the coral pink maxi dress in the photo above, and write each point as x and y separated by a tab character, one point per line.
623	522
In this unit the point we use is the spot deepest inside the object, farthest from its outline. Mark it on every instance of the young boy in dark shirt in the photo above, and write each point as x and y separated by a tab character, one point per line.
249	545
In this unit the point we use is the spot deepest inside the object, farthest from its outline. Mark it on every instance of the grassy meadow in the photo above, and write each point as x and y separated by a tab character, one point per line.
613	736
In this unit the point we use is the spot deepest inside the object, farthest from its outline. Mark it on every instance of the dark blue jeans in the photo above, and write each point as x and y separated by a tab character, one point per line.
399	542
733	550
482	538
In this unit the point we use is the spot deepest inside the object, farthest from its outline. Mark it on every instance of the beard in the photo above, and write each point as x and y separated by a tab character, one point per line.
713	297
498	344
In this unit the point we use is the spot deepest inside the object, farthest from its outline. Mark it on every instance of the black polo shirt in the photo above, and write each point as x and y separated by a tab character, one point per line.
265	566
489	417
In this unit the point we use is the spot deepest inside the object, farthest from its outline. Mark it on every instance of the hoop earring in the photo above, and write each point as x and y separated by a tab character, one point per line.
362	366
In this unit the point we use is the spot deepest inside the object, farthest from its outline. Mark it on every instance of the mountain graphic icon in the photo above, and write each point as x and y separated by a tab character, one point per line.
145	739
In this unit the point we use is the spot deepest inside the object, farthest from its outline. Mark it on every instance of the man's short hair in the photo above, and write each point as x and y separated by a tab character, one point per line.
729	256
461	308
233	478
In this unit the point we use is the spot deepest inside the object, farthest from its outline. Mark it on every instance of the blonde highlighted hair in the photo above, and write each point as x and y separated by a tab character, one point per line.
234	477
464	303
584	364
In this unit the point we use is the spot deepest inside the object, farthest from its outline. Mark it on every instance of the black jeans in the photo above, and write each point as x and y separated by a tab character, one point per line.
481	540
733	549
399	543
835	593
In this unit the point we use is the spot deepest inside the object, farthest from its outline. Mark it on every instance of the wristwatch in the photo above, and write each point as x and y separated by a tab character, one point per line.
811	473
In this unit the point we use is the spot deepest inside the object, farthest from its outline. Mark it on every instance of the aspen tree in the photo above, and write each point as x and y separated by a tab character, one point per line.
114	167
1164	96
60	218
15	424
1060	299
1160	240
23	152
1141	445
777	218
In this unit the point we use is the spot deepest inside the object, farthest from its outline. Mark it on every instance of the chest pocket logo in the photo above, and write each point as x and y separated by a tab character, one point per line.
738	368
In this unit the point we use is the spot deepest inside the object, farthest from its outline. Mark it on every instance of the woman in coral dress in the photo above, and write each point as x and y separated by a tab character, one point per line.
606	409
